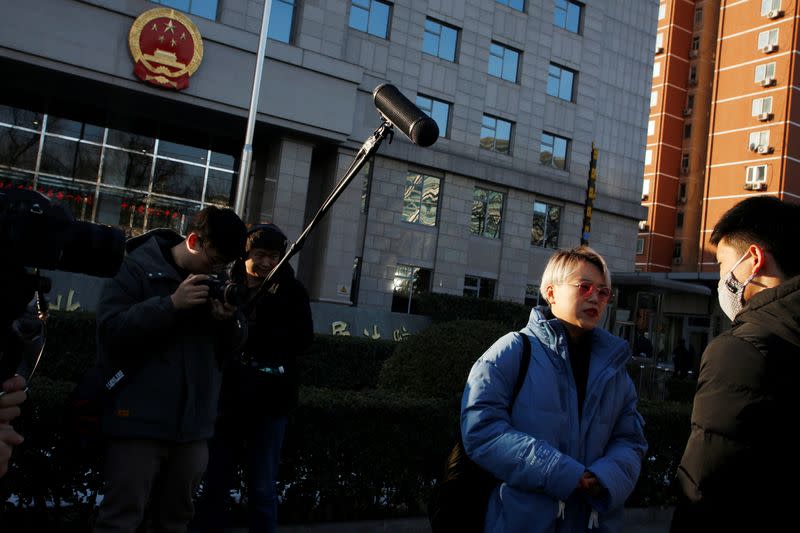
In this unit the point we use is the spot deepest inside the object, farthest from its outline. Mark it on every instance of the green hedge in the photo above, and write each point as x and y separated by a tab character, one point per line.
435	362
341	362
448	307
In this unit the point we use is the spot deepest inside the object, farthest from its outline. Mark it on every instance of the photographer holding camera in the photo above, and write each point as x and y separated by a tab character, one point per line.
260	389
155	320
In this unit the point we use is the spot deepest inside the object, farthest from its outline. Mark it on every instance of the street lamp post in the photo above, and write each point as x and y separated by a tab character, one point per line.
247	150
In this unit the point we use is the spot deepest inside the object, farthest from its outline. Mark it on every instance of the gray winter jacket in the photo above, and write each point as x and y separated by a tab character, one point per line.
171	357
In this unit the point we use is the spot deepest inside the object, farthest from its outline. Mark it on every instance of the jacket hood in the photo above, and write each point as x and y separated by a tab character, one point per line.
777	310
552	334
164	234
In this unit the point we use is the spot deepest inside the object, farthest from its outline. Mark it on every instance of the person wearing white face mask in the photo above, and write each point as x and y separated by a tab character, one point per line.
737	454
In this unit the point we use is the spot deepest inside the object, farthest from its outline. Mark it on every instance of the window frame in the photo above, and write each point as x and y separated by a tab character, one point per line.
410	279
503	58
766	36
554	138
753	173
443	132
477	287
494	138
483	223
769	5
760	103
369	11
566	12
546	226
762	71
559	78
442	26
425	178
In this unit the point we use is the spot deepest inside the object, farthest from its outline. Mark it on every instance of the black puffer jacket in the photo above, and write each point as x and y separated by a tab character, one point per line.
739	466
280	329
171	356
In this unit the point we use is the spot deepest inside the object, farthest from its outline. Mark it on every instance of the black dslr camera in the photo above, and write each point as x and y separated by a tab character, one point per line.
225	290
35	233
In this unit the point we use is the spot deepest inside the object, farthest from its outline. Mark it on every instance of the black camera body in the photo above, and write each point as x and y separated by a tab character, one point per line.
35	233
226	291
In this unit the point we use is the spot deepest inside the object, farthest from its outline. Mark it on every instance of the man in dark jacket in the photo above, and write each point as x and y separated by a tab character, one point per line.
155	321
737	460
259	390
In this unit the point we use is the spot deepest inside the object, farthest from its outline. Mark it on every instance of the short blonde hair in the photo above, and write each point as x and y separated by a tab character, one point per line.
564	262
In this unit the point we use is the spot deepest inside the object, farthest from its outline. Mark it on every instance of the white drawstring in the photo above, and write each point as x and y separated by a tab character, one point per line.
561	507
594	521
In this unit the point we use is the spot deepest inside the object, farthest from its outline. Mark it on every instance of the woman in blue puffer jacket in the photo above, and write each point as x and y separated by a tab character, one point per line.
569	453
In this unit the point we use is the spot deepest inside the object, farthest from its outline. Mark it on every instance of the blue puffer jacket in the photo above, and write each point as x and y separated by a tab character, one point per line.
543	448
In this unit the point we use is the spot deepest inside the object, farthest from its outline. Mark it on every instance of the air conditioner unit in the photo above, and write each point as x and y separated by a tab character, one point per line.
643	225
764	149
774	13
764	117
768	82
693	53
768	49
753	147
687	111
645	197
676	260
660	50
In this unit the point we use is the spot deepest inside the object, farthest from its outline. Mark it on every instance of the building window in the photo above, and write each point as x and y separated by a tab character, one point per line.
371	16
496	134
651	127
762	105
767	38
662	11
679	220
567	15
769	5
487	212
648	157
676	249
698	17
110	176
280	20
503	62
653	98
202	8
645	188
519	5
438	110
421	199
690	101
440	40
639	246
479	287
682	192
687	131
696	43
758	138
756	174
765	71
409	283
656	69
659	43
532	296
685	164
560	82
693	74
553	151
546	225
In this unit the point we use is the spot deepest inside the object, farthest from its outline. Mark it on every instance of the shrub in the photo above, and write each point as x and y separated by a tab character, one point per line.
435	362
340	362
448	307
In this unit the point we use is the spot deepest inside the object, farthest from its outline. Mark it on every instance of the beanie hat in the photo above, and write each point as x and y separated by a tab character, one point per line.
267	237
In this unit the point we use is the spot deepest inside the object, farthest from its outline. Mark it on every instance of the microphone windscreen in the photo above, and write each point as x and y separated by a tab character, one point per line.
407	117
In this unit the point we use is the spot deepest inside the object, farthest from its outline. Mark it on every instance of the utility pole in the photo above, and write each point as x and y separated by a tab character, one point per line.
247	150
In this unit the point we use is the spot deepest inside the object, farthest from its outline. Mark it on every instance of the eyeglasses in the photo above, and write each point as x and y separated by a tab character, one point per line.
217	262
586	289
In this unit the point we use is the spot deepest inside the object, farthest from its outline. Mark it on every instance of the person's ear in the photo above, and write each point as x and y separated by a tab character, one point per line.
193	243
549	294
757	258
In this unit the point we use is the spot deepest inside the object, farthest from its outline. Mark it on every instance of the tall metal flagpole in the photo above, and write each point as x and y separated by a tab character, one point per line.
247	151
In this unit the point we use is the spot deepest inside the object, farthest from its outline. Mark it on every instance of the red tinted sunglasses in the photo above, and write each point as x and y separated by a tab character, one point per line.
586	289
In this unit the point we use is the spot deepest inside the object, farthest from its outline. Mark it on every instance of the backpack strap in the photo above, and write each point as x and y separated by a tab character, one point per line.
523	368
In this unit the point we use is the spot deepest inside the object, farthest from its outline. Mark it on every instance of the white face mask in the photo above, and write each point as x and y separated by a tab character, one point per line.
731	293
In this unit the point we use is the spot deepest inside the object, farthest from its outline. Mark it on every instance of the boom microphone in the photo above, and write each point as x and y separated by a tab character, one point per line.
408	118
